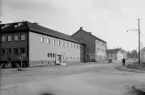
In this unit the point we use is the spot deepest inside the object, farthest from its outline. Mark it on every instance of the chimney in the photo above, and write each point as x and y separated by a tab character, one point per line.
36	23
90	32
81	28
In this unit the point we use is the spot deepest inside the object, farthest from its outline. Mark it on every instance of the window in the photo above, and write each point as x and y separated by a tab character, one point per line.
63	43
22	50
15	26
9	51
78	46
74	45
71	45
48	54
48	40
42	40
3	51
53	55
53	42
16	51
59	43
3	38
9	38
19	24
16	37
22	37
2	27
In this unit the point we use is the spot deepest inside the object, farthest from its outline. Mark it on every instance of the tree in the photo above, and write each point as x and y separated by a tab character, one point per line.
132	54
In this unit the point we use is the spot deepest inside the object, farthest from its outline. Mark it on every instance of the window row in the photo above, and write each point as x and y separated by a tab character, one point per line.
110	55
53	56
15	51
59	43
101	43
15	38
101	50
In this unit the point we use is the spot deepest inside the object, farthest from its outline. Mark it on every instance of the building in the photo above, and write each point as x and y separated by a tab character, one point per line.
116	54
142	54
95	48
35	44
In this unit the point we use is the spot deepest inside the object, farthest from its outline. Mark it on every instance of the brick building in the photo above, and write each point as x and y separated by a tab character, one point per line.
95	48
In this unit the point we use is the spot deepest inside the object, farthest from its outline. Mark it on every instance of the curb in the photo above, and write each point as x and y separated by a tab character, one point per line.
122	68
10	86
139	89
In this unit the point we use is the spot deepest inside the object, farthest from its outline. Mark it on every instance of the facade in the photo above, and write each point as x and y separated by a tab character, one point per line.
36	44
116	54
95	48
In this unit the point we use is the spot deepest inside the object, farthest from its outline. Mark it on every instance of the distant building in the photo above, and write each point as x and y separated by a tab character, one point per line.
142	54
37	44
116	54
95	48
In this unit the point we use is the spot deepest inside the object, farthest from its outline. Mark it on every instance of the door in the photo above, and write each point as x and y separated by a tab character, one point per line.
58	59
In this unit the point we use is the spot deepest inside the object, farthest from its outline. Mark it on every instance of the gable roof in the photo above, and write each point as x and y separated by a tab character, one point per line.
89	33
113	51
34	27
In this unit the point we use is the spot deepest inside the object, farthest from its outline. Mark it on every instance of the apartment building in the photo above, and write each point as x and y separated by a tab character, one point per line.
95	48
36	44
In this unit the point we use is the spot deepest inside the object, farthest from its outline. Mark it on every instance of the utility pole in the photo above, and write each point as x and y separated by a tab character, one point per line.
138	41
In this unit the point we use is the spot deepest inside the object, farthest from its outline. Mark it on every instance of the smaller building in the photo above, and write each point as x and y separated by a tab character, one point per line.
95	48
116	54
142	54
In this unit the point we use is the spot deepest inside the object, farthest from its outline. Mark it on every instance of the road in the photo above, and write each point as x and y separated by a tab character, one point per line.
95	79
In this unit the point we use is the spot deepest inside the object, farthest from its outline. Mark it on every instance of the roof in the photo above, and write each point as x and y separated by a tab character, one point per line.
113	51
34	27
89	33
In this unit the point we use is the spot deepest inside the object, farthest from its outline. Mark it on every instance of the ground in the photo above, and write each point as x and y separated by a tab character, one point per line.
90	79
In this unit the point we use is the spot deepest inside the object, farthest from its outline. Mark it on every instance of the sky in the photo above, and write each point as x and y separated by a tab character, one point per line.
106	19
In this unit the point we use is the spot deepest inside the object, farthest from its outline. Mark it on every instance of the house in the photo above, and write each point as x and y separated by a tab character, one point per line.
36	44
95	48
142	54
116	54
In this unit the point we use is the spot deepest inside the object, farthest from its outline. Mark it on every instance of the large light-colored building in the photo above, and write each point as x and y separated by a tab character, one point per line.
37	44
95	48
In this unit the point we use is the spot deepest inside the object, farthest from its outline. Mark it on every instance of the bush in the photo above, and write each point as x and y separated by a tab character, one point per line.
135	65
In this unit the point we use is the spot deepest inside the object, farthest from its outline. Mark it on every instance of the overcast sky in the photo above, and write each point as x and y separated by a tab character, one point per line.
106	19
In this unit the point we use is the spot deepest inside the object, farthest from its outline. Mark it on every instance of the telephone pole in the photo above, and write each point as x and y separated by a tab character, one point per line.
138	41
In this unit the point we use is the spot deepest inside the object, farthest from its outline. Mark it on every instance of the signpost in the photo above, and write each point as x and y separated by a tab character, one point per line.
21	58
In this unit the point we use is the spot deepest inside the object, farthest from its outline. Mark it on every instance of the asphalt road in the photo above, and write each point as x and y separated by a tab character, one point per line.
95	79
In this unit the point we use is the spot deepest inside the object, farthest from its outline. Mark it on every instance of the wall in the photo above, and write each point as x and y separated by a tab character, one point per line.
120	55
88	40
38	51
101	48
14	44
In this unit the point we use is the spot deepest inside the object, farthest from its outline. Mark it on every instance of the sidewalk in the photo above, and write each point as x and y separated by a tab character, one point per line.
123	68
30	70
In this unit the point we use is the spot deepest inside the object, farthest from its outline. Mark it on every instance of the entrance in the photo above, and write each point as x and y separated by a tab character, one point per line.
58	59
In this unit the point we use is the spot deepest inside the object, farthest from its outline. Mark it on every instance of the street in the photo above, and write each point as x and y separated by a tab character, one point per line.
91	79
